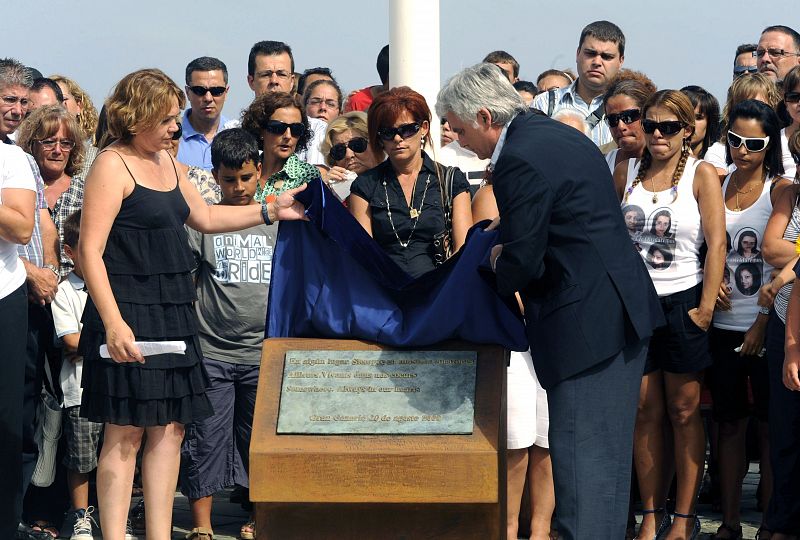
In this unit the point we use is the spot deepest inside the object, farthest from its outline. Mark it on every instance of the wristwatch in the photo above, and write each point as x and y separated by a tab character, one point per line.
763	310
52	268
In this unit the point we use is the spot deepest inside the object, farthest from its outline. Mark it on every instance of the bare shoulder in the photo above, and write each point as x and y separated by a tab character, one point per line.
484	205
705	177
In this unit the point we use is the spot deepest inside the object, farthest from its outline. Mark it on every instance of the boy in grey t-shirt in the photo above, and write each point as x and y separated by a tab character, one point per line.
232	277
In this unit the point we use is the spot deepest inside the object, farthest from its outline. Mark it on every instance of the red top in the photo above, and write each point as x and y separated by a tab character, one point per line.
360	101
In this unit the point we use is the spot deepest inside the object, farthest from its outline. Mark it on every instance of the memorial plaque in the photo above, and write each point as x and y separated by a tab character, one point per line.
330	392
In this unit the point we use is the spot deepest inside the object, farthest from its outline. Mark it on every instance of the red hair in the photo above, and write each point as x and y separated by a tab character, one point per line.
389	106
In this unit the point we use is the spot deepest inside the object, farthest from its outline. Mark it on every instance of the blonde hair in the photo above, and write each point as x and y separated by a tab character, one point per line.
139	102
44	122
679	104
354	121
87	118
748	88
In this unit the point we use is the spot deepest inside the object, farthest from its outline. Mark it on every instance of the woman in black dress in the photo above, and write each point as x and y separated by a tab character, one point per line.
137	264
399	202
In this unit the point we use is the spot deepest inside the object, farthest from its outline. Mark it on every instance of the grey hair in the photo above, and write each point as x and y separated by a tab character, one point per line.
13	73
571	114
476	87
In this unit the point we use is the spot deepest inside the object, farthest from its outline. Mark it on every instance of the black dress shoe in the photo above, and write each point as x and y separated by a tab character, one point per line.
26	533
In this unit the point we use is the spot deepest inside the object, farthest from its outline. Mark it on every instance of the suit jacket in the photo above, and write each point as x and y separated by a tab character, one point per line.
586	291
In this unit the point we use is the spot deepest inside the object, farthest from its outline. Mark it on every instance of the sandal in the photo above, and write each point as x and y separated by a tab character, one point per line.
200	533
663	526
730	532
41	525
696	527
248	530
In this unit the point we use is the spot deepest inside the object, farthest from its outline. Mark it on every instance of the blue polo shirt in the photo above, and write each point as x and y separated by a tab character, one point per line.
194	148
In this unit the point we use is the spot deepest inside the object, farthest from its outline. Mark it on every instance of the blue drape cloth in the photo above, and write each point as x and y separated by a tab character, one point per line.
330	279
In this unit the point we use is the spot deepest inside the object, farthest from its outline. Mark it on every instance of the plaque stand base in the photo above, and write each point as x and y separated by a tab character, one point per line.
337	487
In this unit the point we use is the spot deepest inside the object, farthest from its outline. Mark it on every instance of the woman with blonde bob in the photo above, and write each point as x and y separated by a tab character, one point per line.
347	149
137	267
669	182
54	139
79	105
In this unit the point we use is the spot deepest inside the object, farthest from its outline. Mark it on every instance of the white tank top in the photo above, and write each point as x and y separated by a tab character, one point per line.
667	234
745	268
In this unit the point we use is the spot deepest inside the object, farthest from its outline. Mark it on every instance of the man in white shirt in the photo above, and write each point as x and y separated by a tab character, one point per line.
601	52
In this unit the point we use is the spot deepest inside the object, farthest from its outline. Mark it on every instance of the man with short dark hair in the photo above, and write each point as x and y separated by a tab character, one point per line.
362	99
744	61
600	55
778	51
44	92
506	62
206	89
270	67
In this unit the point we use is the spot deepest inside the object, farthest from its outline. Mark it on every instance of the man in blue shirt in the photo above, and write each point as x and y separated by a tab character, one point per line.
206	88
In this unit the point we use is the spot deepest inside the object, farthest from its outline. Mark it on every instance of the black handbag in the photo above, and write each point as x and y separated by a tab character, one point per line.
443	241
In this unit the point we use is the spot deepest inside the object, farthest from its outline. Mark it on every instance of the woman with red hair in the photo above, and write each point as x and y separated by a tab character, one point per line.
401	203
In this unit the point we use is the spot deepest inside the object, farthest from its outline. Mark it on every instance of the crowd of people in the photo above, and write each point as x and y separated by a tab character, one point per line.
153	220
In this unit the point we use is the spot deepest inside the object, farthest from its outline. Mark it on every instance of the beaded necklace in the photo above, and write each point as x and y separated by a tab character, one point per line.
414	213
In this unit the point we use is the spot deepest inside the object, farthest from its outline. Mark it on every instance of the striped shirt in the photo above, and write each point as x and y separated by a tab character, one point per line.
32	251
791	233
568	98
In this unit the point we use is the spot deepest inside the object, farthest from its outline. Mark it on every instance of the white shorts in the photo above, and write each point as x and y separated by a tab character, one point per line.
527	415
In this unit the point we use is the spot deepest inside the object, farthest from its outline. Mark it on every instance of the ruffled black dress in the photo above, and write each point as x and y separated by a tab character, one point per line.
148	262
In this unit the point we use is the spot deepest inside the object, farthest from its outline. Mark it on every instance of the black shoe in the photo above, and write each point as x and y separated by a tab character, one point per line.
26	533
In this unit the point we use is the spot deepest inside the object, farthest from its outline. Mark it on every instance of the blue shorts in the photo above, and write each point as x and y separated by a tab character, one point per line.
216	451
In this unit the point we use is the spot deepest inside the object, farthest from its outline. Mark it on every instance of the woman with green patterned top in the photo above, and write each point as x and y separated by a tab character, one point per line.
277	120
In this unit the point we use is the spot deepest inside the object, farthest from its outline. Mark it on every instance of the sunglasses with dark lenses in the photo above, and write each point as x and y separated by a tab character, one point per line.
276	127
200	91
668	127
753	144
739	70
357	145
791	97
628	117
405	131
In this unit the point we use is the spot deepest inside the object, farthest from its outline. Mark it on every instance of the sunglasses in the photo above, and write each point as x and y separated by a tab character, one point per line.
405	131
668	127
357	145
739	70
753	144
628	117
200	91
791	97
276	127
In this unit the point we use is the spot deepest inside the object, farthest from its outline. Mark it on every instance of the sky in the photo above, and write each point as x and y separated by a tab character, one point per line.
97	42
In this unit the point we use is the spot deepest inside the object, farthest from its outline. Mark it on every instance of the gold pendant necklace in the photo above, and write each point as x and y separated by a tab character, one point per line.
653	187
738	207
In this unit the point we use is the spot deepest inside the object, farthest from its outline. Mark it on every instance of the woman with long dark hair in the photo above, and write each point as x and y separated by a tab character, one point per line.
706	119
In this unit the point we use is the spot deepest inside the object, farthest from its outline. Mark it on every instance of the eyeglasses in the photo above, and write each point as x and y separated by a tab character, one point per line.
200	91
13	100
330	103
753	144
357	145
777	53
628	117
668	127
791	97
50	144
276	127
405	131
279	74
741	70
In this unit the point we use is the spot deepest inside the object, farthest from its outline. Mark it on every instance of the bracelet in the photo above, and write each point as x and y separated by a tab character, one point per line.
52	268
265	213
763	310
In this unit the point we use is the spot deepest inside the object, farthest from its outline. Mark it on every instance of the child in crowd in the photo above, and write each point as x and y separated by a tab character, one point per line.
82	436
232	277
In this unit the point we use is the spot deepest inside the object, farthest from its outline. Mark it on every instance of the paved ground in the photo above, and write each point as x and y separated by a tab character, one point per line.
229	517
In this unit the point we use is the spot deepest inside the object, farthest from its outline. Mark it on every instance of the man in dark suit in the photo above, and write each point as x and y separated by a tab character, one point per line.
589	302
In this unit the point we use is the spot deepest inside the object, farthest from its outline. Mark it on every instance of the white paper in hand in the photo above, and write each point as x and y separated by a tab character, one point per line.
151	348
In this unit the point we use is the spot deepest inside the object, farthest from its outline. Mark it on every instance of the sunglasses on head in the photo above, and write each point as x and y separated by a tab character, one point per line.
791	97
405	131
276	127
753	144
668	127
200	91
628	117
357	145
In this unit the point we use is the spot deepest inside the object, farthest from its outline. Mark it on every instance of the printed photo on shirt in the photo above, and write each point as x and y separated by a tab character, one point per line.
656	242
659	256
748	278
746	262
661	224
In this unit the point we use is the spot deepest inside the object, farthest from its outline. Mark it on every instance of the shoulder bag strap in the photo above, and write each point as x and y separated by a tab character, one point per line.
596	116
